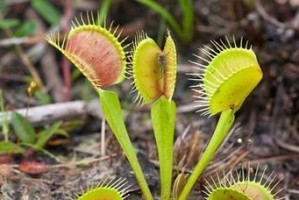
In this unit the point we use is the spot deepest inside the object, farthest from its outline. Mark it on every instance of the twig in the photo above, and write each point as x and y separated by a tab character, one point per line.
275	159
260	9
13	41
55	112
187	108
21	40
293	191
51	74
86	161
287	146
49	64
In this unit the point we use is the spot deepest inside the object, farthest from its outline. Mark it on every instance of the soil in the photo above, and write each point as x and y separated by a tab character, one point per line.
266	133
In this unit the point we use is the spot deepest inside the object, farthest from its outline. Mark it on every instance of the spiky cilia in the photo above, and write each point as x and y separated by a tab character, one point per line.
94	50
243	186
227	76
153	70
115	189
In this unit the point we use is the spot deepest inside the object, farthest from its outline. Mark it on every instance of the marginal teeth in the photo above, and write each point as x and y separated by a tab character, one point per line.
236	180
117	188
88	32
217	65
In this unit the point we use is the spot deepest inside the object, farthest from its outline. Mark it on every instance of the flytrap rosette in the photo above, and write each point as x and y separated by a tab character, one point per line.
95	50
153	70
228	75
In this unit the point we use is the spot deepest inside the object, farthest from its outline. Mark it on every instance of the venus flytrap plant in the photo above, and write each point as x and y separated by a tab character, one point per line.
231	72
154	74
98	54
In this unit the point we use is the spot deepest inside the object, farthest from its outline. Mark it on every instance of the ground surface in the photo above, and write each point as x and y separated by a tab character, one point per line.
267	130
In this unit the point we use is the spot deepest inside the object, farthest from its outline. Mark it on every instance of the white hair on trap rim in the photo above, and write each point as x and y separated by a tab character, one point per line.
204	92
234	176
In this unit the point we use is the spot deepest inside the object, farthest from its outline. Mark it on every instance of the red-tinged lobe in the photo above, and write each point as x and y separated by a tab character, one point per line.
96	52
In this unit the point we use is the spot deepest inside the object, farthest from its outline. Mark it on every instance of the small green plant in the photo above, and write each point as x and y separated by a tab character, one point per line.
26	133
21	29
30	137
6	146
184	31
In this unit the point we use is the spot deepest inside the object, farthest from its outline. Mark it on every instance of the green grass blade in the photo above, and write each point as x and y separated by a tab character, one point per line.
112	111
163	114
5	127
188	19
23	128
45	135
7	147
27	28
9	23
165	14
103	11
47	11
44	151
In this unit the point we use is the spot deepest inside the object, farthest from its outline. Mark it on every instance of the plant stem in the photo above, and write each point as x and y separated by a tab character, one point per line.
224	124
163	114
112	111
